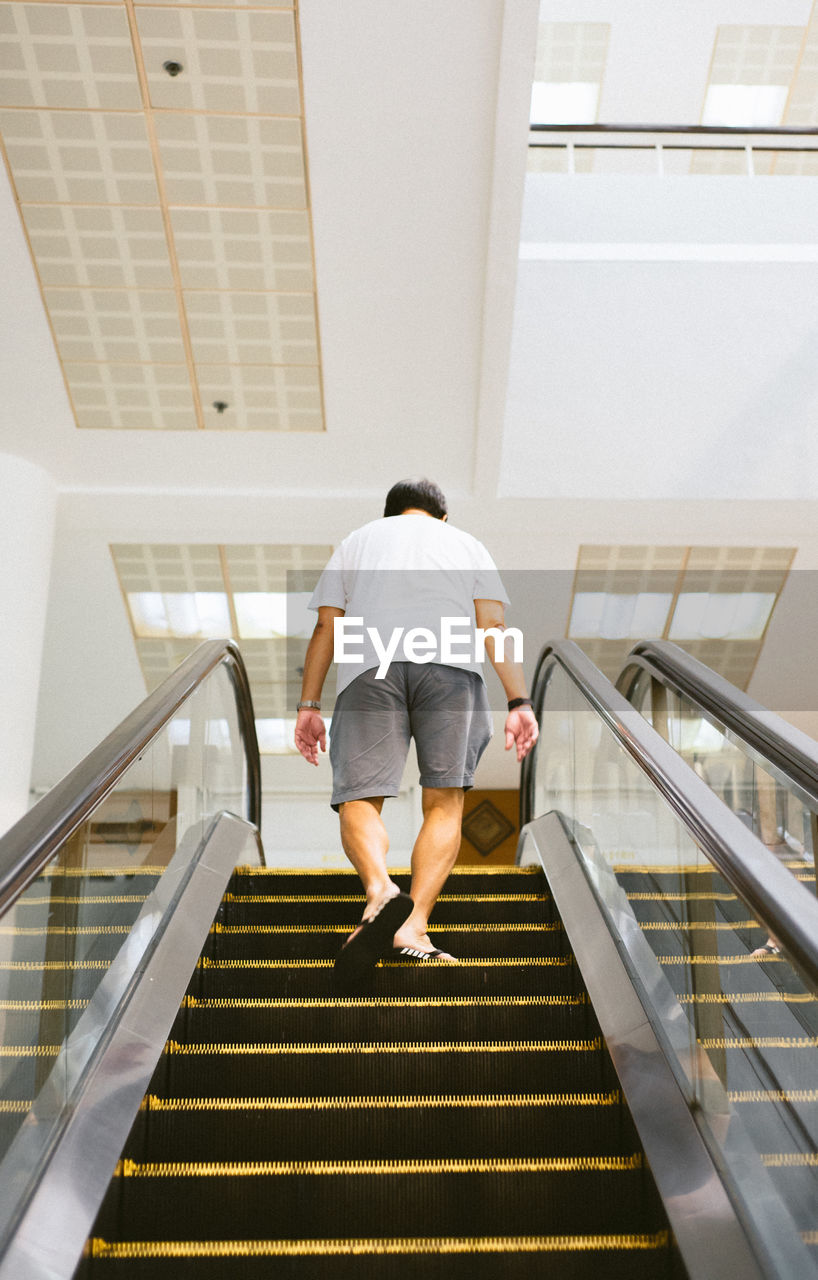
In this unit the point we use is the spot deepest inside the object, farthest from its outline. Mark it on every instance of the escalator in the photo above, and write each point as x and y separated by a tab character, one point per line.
184	1092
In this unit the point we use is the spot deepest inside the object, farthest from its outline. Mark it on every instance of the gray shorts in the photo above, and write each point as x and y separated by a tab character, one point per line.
445	709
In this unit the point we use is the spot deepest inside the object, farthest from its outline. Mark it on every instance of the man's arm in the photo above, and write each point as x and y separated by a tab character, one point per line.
310	730
521	723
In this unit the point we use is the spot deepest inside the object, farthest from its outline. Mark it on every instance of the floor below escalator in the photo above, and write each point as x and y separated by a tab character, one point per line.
450	1120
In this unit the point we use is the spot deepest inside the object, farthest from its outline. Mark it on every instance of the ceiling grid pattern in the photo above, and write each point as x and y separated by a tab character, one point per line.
273	664
168	216
675	570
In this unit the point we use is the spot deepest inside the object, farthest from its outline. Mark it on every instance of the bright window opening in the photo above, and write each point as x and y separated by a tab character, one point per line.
721	615
271	615
185	614
608	616
574	102
745	104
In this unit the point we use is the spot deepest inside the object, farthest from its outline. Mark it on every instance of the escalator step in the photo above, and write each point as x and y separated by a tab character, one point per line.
367	1129
468	1018
556	974
314	941
565	1195
247	1071
617	1256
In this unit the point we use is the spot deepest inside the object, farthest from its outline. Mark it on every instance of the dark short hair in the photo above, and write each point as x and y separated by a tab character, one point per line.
423	494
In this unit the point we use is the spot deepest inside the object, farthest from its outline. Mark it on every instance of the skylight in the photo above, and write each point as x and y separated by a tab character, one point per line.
572	102
745	104
608	615
721	615
186	614
270	615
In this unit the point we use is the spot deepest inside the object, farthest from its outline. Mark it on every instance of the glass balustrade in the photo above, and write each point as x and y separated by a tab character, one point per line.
740	1025
73	941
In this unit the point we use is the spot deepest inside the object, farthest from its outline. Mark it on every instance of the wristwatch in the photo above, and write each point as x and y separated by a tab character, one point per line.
308	702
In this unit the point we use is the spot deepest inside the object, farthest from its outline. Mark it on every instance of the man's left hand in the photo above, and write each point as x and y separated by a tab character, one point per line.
522	729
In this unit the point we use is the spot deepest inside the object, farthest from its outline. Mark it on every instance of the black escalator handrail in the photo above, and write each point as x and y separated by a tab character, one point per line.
768	736
27	846
776	898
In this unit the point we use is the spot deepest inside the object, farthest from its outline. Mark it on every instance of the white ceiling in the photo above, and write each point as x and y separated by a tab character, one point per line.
415	125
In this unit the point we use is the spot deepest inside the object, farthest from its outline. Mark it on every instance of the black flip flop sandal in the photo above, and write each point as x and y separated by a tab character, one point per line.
373	939
422	957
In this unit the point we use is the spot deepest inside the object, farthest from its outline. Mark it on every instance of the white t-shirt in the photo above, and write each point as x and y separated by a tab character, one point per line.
406	572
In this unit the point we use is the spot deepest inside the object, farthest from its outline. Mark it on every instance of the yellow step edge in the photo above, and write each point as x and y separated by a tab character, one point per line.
39	966
759	1042
476	870
382	1002
693	926
239	929
38	1006
494	962
376	1246
61	930
790	1160
51	873
741	959
96	899
773	1095
347	1168
749	997
681	897
402	1102
289	898
381	1048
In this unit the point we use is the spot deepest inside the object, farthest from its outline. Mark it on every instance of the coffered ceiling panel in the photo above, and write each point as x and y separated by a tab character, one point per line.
232	160
755	54
118	325
131	396
67	55
252	328
103	246
261	397
233	59
158	158
70	157
242	249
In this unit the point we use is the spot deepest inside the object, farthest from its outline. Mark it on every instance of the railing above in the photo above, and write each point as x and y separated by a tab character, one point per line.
752	140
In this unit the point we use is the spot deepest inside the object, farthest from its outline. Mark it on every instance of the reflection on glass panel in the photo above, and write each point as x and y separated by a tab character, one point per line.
88	917
738	1017
763	797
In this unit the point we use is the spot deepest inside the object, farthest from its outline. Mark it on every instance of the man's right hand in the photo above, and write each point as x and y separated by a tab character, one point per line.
521	730
310	733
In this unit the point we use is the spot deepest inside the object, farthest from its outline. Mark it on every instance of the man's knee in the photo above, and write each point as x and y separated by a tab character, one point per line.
350	810
446	799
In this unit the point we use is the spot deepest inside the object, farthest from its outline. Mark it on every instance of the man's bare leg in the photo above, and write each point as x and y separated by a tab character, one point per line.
366	843
433	857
